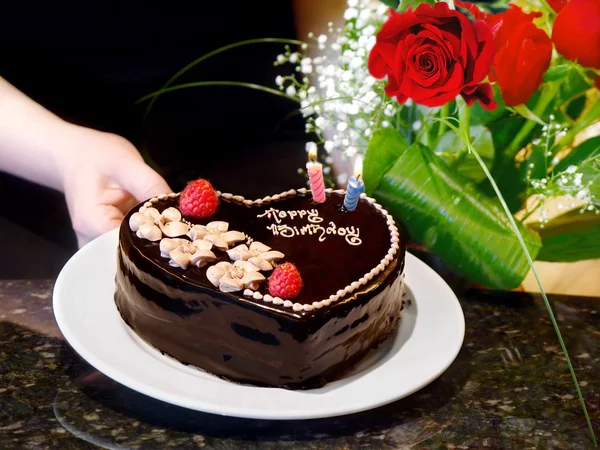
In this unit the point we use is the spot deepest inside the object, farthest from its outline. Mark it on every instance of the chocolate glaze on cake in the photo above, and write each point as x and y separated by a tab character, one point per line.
242	337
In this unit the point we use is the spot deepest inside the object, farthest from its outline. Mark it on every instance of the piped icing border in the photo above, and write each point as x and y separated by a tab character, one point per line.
267	298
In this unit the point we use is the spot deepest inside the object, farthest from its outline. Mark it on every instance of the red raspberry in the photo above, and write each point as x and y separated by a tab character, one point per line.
285	281
198	199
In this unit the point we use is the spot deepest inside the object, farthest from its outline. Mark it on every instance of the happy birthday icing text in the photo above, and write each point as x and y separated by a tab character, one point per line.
351	234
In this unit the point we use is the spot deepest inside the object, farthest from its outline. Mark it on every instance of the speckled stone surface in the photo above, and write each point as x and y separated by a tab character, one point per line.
508	388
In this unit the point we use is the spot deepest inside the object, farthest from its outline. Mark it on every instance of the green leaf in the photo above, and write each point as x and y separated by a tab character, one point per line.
452	149
557	72
389	144
524	111
590	169
588	116
571	237
509	181
583	151
574	85
535	167
391	3
405	4
444	211
481	116
575	107
504	131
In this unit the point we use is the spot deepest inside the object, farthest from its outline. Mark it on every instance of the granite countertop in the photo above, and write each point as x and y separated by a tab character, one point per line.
508	388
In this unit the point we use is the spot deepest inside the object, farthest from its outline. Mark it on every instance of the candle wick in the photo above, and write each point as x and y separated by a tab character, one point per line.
358	177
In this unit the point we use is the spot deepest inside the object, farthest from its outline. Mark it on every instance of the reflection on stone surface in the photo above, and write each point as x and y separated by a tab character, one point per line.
508	388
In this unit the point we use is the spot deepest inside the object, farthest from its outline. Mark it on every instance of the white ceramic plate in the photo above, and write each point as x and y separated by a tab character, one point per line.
430	336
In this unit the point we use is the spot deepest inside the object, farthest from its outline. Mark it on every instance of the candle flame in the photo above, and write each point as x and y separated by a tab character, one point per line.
312	153
358	166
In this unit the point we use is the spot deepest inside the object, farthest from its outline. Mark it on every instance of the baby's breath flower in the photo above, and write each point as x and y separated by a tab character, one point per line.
341	102
351	13
290	90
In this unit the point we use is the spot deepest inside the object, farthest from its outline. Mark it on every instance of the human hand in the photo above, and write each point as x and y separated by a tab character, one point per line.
103	176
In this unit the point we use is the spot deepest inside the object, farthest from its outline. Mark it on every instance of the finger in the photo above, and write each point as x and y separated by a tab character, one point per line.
101	219
117	196
114	196
139	179
126	205
109	217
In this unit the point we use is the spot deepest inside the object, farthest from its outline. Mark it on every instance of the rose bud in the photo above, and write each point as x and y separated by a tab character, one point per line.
576	32
523	52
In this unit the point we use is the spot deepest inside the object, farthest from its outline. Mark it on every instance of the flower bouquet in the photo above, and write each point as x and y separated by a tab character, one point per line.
450	105
476	125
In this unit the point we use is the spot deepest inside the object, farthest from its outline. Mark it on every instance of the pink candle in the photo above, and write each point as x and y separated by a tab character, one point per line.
315	176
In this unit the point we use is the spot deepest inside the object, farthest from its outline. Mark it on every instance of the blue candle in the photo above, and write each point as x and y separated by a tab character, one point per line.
355	187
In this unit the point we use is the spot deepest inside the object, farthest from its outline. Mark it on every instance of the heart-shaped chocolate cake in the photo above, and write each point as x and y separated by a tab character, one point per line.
280	291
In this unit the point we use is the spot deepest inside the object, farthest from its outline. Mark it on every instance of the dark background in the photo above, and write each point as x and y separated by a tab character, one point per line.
90	62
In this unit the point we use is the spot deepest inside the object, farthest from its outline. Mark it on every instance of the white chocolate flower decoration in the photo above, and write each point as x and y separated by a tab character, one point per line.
216	233
234	277
183	252
149	224
258	254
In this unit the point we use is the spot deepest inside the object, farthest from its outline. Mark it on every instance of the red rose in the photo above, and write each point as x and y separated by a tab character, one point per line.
558	5
576	32
523	52
433	54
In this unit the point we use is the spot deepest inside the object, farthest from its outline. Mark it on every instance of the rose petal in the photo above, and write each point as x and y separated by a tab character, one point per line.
377	65
485	58
482	92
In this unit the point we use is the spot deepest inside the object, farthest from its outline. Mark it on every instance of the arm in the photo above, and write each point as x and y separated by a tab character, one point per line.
101	174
